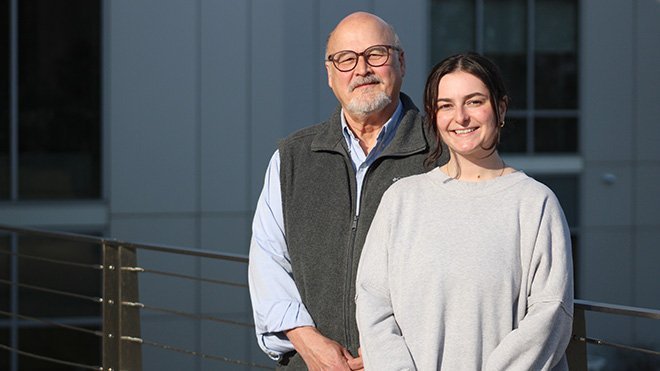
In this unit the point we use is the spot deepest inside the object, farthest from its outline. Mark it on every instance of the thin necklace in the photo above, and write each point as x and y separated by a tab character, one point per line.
446	166
503	167
501	172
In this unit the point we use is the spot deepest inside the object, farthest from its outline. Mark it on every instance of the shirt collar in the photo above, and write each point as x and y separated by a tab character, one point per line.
389	127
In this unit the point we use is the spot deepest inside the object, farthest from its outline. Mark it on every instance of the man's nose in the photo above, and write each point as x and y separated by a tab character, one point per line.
362	67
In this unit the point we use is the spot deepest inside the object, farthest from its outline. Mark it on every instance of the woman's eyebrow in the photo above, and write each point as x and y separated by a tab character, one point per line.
471	95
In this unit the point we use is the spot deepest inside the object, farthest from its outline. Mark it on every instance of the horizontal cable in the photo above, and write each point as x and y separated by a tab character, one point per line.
615	345
194	278
53	291
50	359
194	353
53	323
188	315
55	261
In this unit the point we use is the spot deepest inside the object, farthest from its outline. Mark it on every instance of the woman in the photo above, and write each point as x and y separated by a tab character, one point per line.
466	267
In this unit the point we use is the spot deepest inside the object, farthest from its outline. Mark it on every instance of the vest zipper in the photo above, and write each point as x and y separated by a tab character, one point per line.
347	290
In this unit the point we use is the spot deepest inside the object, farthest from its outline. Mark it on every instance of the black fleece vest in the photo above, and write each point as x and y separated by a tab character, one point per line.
323	235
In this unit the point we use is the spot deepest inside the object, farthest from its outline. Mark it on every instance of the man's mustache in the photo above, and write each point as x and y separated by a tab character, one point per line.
371	79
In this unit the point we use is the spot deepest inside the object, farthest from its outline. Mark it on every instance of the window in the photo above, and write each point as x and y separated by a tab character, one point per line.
50	99
50	139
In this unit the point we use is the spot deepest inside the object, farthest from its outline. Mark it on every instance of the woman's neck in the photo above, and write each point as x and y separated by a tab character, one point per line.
475	170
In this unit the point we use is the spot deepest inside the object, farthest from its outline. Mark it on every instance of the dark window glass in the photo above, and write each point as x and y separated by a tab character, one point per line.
566	189
555	135
505	42
513	138
50	274
61	344
4	100
513	67
452	28
59	99
555	57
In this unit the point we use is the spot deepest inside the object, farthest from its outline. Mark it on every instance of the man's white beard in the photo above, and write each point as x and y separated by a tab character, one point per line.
368	104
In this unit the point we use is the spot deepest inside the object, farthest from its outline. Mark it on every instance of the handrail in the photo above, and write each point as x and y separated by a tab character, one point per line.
115	242
624	310
579	330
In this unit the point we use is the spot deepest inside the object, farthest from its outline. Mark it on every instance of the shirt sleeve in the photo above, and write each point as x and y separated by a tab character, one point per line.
383	346
276	302
540	341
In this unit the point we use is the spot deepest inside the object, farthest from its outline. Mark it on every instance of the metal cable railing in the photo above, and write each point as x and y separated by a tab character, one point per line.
122	310
122	346
584	305
26	321
186	314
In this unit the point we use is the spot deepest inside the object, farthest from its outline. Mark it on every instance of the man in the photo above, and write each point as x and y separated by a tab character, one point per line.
321	191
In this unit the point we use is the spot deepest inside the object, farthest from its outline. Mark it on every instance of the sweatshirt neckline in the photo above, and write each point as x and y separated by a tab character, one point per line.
472	189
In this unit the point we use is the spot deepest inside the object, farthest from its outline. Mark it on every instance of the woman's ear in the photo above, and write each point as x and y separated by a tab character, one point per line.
503	105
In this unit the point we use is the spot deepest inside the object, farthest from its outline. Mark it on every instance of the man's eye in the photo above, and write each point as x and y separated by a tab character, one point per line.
377	54
345	59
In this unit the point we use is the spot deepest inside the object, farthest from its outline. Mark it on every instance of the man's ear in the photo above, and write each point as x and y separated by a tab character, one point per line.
402	62
328	70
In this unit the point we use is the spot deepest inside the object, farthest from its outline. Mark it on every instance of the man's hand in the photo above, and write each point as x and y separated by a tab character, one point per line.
319	352
356	363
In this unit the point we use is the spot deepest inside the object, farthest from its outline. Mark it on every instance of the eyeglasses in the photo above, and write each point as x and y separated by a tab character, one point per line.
375	56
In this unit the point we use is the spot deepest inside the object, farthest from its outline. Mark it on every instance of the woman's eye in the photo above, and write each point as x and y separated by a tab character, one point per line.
475	102
444	107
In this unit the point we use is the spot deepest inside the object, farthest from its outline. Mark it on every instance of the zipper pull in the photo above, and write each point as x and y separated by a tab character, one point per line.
355	221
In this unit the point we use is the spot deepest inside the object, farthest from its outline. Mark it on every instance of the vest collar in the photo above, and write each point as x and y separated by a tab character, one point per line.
409	137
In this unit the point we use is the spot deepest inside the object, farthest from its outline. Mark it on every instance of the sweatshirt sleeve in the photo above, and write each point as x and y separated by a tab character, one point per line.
540	341
383	346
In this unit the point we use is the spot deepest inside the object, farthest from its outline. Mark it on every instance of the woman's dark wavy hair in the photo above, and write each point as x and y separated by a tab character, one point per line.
480	67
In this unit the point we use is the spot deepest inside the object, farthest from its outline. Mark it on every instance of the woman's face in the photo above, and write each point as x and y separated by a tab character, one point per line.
466	118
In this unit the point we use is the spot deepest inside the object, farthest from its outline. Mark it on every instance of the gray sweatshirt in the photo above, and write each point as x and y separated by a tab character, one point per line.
461	275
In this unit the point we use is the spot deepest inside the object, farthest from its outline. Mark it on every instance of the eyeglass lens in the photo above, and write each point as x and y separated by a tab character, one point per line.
375	56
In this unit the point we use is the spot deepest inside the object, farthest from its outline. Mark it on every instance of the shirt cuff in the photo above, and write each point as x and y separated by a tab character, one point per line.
275	345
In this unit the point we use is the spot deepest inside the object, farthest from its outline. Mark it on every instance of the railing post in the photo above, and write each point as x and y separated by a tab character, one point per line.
121	318
131	347
577	348
111	308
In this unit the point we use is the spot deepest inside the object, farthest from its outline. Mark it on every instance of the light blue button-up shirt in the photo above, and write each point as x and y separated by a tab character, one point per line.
276	302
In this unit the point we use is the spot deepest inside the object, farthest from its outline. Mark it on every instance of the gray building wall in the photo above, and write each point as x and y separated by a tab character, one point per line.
199	92
620	132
